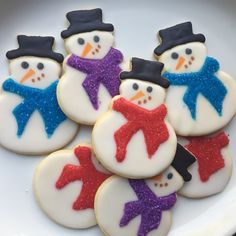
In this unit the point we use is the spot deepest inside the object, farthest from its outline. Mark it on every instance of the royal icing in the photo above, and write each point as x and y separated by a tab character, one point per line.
32	121
213	166
144	207
92	68
199	91
65	184
139	119
133	137
148	205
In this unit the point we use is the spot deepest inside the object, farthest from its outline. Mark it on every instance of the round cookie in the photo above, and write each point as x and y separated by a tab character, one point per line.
213	167
145	206
199	91
92	67
65	184
31	120
134	138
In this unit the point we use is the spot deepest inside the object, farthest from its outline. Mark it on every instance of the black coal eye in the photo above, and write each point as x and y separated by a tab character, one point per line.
135	86
80	41
174	55
40	66
25	65
96	39
169	176
149	89
188	51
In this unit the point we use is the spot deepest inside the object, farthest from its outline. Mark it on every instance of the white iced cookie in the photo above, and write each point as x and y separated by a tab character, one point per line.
65	184
199	91
31	120
134	139
213	167
92	68
142	207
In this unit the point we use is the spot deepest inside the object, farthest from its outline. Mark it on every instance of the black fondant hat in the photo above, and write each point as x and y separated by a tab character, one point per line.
183	159
85	21
35	46
147	71
177	35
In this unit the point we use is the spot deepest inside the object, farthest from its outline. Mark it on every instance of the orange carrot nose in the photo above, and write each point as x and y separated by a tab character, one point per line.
138	95
180	63
27	75
158	177
87	49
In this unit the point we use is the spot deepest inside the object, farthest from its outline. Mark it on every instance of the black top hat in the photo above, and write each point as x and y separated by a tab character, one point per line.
147	71
177	35
85	21
35	46
183	159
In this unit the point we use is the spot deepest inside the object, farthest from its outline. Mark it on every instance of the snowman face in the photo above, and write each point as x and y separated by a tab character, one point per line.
90	45
185	58
166	183
143	94
34	71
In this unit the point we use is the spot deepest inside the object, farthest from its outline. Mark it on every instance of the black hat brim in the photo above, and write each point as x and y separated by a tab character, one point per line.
143	77
34	52
88	27
168	45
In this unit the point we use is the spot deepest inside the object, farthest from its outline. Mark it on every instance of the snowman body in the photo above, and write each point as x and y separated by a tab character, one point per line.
37	73
74	95
109	202
136	162
189	110
59	181
215	182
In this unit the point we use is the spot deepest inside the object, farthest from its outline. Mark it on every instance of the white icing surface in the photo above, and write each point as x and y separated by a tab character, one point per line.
34	139
106	40
74	100
51	71
137	164
178	112
215	184
175	183
110	202
72	97
199	52
180	116
157	95
57	204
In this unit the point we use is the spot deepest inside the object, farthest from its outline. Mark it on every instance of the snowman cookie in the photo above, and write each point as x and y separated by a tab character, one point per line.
31	120
92	67
142	207
213	167
65	184
134	139
199	91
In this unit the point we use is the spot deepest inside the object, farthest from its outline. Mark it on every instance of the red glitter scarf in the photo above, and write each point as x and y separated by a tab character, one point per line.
207	151
87	173
151	122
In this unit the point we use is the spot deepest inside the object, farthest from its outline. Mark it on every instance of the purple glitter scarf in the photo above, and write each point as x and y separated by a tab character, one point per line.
148	205
104	71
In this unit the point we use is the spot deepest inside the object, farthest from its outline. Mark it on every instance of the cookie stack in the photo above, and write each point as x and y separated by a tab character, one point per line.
155	125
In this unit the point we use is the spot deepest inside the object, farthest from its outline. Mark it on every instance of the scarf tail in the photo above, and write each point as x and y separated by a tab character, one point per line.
153	139
122	137
131	210
21	118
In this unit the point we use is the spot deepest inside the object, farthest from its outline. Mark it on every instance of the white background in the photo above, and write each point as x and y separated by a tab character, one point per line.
136	25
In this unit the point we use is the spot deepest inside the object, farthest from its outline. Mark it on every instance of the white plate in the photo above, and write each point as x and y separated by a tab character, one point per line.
136	24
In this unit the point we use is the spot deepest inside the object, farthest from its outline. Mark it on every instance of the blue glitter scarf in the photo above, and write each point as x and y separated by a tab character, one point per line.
202	82
42	100
148	205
